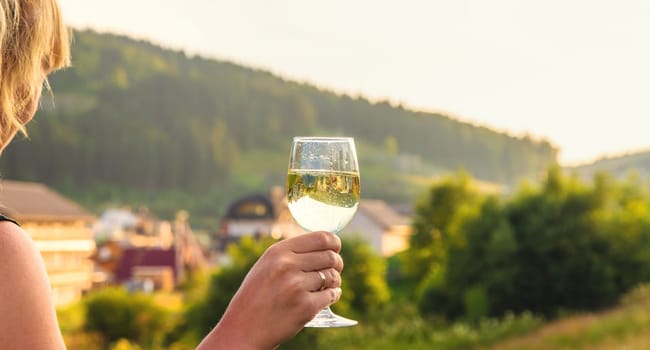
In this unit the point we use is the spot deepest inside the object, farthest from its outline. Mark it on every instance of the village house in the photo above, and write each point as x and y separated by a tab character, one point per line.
250	215
61	230
257	215
139	251
386	230
375	222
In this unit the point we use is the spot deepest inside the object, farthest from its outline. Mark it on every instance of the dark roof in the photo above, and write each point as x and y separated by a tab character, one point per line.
255	206
35	201
150	257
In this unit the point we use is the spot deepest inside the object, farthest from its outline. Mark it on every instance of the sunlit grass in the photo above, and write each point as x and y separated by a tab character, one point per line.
398	326
624	327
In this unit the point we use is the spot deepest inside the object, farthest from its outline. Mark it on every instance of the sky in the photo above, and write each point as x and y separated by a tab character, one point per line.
574	72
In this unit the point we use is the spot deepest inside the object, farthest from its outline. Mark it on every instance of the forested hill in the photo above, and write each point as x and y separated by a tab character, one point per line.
637	163
134	115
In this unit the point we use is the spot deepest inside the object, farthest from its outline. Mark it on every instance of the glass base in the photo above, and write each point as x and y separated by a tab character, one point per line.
326	318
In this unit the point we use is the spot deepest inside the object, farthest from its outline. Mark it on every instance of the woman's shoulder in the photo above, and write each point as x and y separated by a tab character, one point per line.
19	256
14	241
25	299
15	244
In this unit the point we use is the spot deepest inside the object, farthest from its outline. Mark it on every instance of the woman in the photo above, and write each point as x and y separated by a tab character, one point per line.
288	285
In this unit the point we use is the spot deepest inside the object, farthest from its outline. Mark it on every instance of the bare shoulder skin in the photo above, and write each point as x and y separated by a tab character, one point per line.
27	314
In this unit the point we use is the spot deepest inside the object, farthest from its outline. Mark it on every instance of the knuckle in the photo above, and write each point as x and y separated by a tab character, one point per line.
294	286
335	277
337	242
274	250
284	265
333	295
323	239
339	281
331	258
339	263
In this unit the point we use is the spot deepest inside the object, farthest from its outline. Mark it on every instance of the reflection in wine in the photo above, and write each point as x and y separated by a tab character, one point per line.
322	200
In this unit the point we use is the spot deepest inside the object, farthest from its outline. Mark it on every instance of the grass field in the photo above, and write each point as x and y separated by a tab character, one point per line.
626	326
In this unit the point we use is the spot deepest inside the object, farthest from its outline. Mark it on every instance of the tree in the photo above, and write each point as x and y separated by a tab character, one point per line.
543	251
223	284
564	245
437	224
363	279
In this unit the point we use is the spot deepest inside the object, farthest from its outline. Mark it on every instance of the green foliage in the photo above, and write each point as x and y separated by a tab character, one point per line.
437	224
563	246
124	344
399	326
434	297
363	279
204	314
476	303
116	314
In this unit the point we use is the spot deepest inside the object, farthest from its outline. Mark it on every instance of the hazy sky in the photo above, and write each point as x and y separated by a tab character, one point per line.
576	72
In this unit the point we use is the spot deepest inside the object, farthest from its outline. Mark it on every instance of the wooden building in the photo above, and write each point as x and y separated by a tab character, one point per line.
61	230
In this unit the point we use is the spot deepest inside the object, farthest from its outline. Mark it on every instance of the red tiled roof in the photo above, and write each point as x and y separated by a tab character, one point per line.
35	201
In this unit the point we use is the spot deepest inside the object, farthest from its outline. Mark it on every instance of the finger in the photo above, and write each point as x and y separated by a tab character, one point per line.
320	260
319	280
315	241
325	297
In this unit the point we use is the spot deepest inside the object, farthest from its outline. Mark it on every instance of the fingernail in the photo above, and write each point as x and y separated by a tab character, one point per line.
339	291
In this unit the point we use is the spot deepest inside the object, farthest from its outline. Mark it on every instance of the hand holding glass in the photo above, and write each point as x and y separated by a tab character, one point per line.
323	194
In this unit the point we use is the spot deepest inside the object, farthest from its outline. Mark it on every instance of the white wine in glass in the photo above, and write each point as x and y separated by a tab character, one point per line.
323	193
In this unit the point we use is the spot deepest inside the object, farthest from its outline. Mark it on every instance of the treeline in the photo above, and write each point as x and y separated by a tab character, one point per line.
637	163
132	114
564	245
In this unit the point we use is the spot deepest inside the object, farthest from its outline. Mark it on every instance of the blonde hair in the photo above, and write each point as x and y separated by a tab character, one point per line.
33	42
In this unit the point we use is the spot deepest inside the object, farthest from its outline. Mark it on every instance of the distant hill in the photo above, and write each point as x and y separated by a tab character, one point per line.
634	163
134	120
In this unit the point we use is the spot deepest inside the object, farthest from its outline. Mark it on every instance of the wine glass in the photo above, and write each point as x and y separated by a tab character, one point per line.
323	194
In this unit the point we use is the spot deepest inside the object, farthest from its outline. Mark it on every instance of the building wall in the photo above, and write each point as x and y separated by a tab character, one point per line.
66	249
242	227
364	227
396	240
385	242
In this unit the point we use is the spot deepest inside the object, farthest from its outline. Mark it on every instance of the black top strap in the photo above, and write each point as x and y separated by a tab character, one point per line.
6	218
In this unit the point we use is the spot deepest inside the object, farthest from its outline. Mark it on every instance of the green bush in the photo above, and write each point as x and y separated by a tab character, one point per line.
477	304
117	314
363	279
204	313
565	245
399	326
